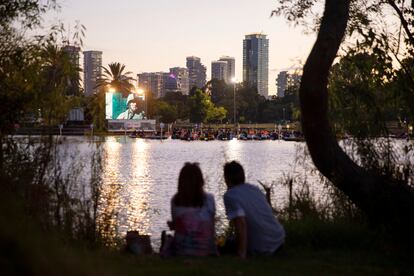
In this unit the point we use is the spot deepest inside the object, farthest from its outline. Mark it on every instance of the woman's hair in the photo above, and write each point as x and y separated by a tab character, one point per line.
190	186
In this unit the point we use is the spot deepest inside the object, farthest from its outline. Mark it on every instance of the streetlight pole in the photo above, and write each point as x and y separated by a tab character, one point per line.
234	103
234	81
146	104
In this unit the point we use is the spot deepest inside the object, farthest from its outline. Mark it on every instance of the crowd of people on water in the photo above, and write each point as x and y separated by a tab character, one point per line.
227	134
257	230
220	134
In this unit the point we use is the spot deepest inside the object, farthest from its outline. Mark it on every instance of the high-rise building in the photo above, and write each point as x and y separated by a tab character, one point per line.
92	70
152	83
219	70
177	81
74	81
256	62
281	83
231	67
73	52
196	72
286	80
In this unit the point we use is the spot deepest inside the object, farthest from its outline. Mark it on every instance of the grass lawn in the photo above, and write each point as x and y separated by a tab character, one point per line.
311	249
291	261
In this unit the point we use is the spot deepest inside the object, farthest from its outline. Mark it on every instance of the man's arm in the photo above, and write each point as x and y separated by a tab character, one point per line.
241	236
236	215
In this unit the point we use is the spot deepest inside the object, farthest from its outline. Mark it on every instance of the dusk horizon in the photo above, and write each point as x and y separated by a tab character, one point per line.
162	34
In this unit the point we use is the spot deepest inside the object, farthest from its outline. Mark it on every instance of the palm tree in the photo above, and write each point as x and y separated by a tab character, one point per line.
114	77
59	79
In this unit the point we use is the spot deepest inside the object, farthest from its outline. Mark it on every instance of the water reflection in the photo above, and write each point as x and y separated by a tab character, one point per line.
125	193
136	191
110	200
140	176
233	150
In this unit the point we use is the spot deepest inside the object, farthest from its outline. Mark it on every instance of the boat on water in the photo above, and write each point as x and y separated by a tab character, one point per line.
157	137
151	136
293	138
136	135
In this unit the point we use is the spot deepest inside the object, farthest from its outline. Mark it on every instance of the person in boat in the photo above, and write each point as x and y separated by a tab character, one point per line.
257	230
192	212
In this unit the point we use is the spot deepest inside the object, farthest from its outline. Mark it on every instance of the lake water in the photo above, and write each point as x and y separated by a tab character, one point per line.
140	176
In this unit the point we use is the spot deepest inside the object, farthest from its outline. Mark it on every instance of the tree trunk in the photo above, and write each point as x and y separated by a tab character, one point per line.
383	200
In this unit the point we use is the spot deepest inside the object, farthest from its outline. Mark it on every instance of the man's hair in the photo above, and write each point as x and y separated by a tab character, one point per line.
234	173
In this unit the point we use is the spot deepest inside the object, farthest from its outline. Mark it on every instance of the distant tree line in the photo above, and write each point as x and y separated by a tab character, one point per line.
215	102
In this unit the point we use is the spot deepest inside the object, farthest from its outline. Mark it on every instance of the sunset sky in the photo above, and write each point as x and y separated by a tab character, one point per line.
155	35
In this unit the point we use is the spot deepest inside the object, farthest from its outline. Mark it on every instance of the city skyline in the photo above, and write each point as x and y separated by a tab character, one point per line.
157	35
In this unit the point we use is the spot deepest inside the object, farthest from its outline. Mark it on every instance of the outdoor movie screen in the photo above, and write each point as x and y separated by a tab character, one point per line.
118	107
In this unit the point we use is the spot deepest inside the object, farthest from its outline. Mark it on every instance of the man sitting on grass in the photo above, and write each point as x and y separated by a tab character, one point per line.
258	232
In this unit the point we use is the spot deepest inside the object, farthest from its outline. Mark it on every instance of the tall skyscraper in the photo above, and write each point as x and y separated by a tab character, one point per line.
196	72
281	83
92	70
256	62
152	83
74	81
177	81
231	67
219	70
286	80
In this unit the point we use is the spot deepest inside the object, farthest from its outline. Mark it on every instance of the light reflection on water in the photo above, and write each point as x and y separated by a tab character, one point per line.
140	176
110	190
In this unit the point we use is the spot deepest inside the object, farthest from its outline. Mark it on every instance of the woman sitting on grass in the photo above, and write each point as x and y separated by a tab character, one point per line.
192	212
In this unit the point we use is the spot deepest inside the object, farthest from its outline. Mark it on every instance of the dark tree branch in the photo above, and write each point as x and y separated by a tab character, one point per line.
403	21
383	200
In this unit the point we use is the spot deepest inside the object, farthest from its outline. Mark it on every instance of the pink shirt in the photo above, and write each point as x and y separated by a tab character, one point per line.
194	228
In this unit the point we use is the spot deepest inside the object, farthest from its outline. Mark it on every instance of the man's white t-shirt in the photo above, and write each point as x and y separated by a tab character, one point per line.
264	232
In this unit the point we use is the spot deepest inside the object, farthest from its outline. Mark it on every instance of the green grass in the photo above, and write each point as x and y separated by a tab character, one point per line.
293	261
311	249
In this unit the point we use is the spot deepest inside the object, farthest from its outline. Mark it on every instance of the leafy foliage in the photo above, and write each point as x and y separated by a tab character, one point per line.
358	87
115	77
26	12
179	102
203	110
167	113
38	78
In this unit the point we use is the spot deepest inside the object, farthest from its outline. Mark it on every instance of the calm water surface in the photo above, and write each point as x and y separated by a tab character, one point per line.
140	176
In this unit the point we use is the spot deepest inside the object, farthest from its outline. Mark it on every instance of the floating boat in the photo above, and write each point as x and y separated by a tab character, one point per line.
293	138
157	137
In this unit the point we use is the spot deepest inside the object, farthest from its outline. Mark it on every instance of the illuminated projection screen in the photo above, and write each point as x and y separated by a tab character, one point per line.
118	107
